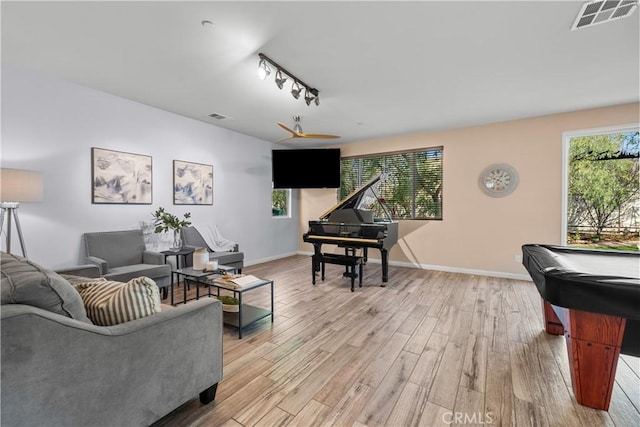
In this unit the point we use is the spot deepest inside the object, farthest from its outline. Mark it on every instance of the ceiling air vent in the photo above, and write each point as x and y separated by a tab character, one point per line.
217	116
597	12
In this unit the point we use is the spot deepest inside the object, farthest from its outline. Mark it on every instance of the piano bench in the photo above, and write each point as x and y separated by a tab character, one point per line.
350	261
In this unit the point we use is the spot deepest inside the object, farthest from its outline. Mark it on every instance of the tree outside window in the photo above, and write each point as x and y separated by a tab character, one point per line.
280	203
604	191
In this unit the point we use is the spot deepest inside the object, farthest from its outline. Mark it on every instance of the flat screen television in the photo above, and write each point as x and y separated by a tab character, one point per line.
306	168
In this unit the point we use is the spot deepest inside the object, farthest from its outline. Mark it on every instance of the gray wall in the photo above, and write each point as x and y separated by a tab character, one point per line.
50	125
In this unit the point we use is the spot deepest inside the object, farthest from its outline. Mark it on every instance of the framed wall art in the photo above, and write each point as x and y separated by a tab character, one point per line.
192	183
119	177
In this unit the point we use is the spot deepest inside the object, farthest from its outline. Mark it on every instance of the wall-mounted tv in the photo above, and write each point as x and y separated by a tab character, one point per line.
306	168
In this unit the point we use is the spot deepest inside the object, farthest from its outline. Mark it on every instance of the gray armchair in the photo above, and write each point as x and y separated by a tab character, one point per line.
192	239
122	256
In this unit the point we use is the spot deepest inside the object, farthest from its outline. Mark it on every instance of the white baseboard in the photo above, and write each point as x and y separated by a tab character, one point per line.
500	274
271	258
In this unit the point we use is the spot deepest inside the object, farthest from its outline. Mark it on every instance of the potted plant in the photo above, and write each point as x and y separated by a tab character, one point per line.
229	303
164	221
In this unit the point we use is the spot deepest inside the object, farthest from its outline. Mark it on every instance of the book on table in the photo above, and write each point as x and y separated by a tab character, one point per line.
238	282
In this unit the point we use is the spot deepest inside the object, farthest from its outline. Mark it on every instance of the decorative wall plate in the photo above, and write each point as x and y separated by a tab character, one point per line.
498	180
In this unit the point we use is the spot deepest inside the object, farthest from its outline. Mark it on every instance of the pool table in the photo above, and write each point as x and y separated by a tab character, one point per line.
593	298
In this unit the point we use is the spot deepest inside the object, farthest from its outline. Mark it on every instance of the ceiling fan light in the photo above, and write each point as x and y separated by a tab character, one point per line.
297	128
263	69
295	90
280	79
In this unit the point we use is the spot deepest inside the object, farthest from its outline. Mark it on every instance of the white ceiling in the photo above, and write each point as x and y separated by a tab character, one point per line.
382	68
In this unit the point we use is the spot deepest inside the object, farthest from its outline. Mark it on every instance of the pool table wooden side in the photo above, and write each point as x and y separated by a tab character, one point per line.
594	342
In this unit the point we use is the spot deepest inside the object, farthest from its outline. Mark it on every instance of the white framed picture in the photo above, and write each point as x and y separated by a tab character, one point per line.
192	183
121	178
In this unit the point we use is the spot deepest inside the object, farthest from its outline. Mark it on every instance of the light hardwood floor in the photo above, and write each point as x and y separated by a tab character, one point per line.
429	349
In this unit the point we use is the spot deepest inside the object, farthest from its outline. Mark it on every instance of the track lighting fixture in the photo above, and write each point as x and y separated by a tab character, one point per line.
308	97
296	89
263	69
310	93
280	79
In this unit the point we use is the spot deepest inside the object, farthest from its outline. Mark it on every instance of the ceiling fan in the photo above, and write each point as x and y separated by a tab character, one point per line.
296	132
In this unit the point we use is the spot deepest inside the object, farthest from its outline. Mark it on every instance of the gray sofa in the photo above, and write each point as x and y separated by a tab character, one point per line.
122	256
192	239
58	369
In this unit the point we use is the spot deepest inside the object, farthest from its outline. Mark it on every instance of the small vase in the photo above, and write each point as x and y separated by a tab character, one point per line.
177	242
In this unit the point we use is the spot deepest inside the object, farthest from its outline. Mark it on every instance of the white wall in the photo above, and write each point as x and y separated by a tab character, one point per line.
50	125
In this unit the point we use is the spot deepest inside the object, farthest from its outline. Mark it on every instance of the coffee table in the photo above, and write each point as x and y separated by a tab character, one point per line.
199	277
247	314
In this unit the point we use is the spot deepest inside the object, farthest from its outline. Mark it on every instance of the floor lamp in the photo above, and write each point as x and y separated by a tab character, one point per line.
17	186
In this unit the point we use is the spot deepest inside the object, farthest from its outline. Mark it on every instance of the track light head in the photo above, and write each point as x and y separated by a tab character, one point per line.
317	100
296	89
263	69
308	96
280	79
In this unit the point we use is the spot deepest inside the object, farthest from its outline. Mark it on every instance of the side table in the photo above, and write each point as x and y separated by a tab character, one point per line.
181	253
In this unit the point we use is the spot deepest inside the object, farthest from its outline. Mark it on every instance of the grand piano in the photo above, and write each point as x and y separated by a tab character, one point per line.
351	224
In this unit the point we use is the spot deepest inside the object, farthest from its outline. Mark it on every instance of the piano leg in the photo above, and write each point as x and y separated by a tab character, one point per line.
313	269
317	250
385	266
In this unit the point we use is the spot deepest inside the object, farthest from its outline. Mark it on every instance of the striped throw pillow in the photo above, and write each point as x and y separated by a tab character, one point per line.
110	303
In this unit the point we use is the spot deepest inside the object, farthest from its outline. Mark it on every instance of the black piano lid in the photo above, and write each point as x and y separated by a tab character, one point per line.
361	198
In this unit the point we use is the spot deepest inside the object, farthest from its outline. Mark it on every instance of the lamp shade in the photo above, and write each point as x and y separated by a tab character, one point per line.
19	185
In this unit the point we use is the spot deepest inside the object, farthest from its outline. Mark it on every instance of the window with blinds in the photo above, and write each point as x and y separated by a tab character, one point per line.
412	188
